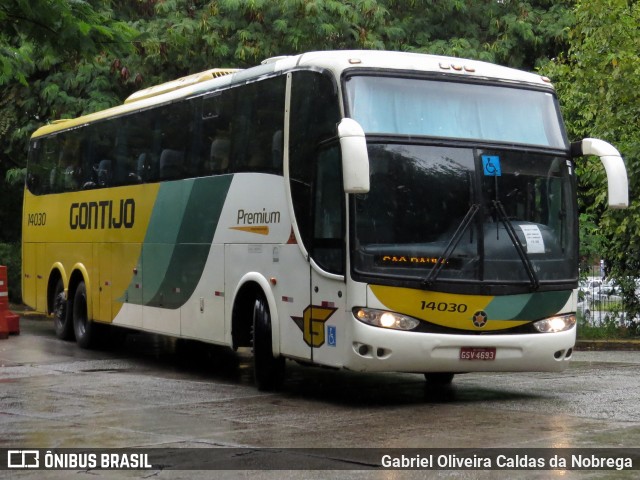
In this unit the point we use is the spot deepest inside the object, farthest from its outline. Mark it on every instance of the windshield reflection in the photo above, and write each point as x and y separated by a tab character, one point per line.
448	109
434	214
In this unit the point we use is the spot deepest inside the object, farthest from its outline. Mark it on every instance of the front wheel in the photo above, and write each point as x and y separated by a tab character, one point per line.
82	326
268	370
62	321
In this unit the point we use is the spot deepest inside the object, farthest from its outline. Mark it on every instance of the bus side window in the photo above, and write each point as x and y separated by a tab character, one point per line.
101	138
171	164
43	160
69	171
260	116
48	160
36	169
213	138
176	125
104	173
218	155
136	158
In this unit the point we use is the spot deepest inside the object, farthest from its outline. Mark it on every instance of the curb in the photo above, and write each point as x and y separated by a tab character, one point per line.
607	345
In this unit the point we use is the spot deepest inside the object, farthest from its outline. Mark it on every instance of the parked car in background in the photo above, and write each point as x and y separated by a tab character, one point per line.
599	290
596	316
600	301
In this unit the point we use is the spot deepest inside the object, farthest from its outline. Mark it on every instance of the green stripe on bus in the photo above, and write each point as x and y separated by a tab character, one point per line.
174	253
545	304
162	235
529	306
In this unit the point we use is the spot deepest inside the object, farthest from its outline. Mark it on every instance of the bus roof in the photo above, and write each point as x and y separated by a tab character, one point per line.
419	62
335	61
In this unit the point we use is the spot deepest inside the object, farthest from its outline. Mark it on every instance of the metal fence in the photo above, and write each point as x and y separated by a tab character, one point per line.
600	304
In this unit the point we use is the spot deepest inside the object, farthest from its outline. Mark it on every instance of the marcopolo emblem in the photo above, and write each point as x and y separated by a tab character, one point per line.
479	319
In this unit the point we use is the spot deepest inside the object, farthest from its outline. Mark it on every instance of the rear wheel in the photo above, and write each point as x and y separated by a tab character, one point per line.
439	378
62	321
268	370
82	326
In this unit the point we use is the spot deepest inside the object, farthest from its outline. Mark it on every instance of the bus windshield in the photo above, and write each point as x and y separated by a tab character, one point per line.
433	108
487	209
462	214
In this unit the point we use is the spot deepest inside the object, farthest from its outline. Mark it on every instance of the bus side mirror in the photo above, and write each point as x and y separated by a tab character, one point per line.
618	184
355	158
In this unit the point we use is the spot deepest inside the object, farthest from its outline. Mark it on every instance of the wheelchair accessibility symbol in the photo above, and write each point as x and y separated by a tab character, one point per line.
331	335
491	166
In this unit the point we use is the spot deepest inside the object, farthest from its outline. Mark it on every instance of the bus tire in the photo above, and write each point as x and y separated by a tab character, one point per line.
439	379
62	321
268	370
82	326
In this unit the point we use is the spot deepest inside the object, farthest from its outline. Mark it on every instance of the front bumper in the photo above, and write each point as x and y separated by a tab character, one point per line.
384	350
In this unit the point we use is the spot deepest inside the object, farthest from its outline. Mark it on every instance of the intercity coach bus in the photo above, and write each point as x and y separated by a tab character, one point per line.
365	210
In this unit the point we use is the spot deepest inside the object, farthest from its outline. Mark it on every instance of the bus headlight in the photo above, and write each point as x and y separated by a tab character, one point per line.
385	319
559	323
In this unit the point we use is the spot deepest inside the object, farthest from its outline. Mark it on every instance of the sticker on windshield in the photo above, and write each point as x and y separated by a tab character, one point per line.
491	165
533	237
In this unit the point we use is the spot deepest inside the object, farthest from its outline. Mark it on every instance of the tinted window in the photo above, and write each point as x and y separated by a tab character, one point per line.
257	126
214	139
314	116
235	130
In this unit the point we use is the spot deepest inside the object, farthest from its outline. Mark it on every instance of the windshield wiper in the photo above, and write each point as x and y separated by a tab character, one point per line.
516	243
451	245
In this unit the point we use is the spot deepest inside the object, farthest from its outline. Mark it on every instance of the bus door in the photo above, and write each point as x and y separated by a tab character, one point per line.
318	287
318	199
328	289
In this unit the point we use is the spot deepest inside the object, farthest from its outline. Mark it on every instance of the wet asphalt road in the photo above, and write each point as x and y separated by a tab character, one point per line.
151	391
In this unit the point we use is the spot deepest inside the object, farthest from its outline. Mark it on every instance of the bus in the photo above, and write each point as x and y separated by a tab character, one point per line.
363	210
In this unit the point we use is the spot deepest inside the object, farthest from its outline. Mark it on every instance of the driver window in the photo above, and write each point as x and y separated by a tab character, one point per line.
328	243
315	114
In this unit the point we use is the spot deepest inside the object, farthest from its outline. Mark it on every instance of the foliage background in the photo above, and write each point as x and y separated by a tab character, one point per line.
61	59
598	82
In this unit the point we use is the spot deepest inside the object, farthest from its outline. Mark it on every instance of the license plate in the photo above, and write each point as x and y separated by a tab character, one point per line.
478	353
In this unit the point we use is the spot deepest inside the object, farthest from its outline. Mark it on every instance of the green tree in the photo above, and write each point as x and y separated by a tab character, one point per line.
599	84
54	63
520	34
184	36
50	29
54	54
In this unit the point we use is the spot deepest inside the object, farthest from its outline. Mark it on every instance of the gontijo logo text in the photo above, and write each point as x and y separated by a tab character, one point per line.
102	215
